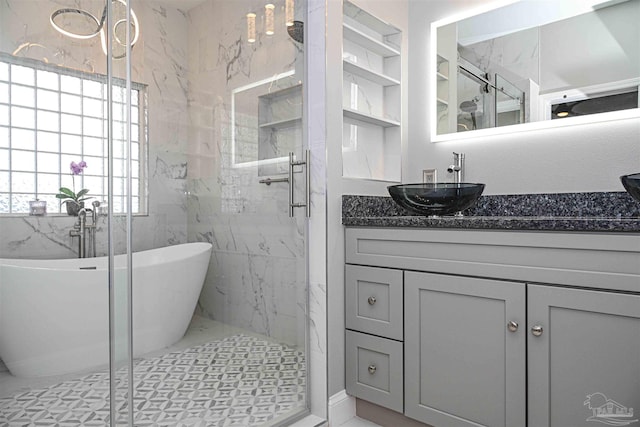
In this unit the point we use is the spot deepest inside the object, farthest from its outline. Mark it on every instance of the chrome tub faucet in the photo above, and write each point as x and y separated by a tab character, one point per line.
80	229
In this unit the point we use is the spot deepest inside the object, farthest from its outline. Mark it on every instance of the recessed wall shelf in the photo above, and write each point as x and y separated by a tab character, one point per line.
368	118
368	42
287	91
373	23
443	87
372	78
281	124
368	74
279	127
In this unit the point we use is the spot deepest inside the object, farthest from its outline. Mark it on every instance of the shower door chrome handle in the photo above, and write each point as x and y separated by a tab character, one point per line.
307	185
291	186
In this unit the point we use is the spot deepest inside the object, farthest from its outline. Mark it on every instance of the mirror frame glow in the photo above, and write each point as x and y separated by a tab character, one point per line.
586	6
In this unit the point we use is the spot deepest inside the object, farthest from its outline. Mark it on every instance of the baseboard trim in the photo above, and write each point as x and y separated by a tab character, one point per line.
342	408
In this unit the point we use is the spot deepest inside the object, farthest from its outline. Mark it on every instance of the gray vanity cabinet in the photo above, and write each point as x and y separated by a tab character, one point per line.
586	355
465	342
501	328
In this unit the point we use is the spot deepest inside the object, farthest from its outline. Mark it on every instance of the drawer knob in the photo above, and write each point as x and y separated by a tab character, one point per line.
371	300
372	369
536	330
512	326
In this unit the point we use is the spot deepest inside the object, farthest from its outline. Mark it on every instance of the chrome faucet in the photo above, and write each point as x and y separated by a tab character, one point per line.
457	168
80	231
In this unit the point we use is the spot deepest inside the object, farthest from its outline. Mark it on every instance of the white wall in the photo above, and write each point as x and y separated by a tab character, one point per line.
571	159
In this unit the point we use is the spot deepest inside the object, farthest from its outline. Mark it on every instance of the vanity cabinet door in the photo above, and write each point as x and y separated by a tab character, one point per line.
584	357
464	359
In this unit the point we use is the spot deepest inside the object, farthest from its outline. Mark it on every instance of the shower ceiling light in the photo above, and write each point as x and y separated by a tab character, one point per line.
295	29
251	27
562	110
289	10
269	19
114	33
56	20
60	13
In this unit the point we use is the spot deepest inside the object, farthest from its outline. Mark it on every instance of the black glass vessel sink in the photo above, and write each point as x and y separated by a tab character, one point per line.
440	198
631	183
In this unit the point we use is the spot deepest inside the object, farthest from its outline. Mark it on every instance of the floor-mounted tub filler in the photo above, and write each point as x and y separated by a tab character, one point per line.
54	314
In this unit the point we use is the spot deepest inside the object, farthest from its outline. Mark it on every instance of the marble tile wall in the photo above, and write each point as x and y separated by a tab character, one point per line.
256	278
159	60
517	53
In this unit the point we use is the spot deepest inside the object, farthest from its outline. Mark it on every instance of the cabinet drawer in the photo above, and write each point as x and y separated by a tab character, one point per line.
374	369
374	301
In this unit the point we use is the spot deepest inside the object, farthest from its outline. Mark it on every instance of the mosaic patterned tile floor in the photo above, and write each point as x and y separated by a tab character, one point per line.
236	381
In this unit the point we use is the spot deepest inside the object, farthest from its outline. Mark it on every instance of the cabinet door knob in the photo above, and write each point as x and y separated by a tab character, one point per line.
371	300
512	326
372	369
536	330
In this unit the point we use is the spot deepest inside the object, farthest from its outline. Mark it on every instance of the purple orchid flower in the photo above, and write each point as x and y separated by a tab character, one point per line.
67	195
76	168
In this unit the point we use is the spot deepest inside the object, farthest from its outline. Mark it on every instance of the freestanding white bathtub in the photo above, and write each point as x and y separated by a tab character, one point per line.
54	314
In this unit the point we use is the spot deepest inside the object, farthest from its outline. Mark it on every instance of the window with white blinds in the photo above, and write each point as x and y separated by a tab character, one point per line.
51	116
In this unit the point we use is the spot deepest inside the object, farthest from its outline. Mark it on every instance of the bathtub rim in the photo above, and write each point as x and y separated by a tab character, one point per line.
143	257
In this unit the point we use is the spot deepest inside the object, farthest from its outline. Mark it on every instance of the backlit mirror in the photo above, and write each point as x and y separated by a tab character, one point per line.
535	64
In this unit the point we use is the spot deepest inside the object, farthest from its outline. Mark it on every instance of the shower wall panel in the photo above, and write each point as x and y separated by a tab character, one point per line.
159	61
256	278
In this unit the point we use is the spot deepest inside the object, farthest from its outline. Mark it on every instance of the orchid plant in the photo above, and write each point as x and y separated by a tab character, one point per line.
68	195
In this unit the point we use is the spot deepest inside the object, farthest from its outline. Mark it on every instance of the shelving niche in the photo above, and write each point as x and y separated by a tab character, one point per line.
279	127
442	76
371	96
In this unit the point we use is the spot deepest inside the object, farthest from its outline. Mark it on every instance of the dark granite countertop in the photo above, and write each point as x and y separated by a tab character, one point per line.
586	212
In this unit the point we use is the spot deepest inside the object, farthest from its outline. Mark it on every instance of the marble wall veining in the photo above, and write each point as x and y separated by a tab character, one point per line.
158	60
517	54
257	272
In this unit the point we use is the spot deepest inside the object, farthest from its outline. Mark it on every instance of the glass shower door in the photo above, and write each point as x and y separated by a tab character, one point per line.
64	129
192	134
484	104
475	103
509	105
225	123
